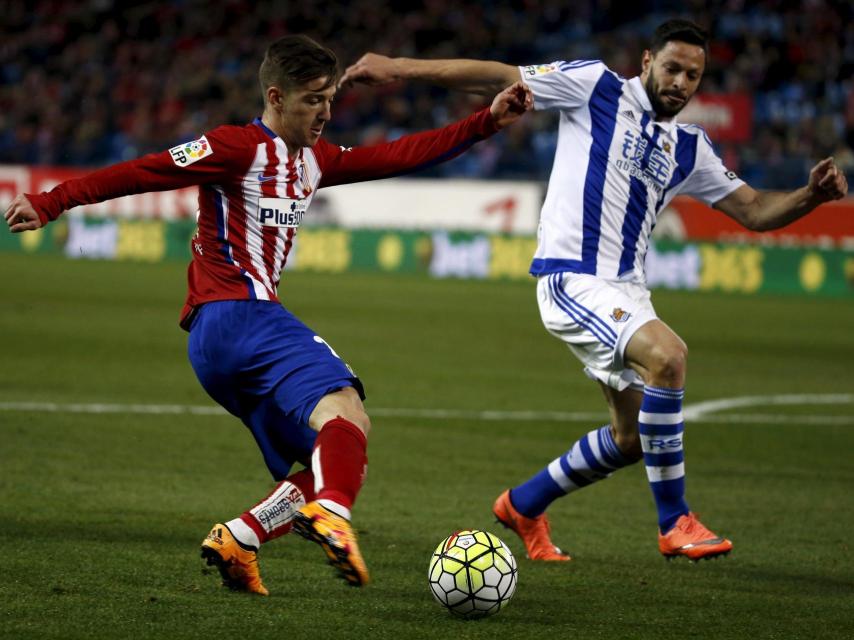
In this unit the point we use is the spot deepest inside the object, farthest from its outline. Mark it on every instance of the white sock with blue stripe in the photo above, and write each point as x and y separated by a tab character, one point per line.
593	457
660	424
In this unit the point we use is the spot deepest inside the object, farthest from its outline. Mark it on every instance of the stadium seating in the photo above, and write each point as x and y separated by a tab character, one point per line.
90	84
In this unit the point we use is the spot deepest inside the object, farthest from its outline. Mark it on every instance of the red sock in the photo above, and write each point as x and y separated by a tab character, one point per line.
272	517
339	462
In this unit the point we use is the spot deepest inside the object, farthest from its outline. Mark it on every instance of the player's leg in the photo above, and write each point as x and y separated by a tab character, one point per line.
339	459
593	457
273	516
339	463
660	357
233	546
217	362
265	366
594	319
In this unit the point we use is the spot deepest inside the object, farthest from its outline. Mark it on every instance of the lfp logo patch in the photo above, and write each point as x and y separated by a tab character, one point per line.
186	154
539	70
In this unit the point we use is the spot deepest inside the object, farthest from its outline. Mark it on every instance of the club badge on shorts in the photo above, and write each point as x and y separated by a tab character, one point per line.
618	315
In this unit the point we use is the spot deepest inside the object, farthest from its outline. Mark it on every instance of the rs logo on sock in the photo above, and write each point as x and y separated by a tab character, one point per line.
670	443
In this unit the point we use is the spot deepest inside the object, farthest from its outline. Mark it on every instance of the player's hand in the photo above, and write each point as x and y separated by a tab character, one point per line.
511	104
20	215
827	182
371	69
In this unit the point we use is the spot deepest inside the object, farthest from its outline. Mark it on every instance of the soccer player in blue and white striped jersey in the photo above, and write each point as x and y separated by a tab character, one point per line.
621	157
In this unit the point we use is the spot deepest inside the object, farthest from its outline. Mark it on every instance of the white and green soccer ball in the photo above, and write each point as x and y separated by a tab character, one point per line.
472	573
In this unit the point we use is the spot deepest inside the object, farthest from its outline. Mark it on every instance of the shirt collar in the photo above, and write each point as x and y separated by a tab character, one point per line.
639	93
264	128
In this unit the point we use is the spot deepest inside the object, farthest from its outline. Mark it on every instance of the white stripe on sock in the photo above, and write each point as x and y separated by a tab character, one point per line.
660	418
557	474
243	533
593	441
660	474
316	470
335	508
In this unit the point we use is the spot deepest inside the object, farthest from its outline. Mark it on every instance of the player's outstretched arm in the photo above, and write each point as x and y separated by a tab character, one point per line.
484	77
20	215
766	210
419	151
173	169
511	103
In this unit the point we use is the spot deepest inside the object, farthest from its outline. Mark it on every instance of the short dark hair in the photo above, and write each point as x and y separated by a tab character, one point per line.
681	31
295	60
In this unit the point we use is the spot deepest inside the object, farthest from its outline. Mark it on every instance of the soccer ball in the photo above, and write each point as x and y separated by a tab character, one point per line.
472	573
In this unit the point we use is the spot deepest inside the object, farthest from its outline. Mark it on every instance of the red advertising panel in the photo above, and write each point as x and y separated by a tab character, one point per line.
830	225
727	117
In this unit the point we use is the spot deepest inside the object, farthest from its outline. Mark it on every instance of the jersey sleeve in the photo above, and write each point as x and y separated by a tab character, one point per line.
562	85
711	181
209	159
340	165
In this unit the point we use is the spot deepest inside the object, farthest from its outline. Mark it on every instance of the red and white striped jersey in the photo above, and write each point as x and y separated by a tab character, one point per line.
252	197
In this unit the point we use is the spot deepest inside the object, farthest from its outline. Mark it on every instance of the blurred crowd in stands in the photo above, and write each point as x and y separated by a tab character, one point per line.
96	81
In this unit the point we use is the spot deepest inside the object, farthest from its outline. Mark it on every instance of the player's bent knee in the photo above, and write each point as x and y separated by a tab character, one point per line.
668	365
361	420
344	403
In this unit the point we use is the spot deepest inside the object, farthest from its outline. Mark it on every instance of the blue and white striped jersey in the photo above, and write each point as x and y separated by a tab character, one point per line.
615	169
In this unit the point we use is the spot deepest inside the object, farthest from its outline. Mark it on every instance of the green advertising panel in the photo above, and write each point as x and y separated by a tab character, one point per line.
736	268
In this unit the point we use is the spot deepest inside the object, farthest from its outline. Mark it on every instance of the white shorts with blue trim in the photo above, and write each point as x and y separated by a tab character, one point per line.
596	318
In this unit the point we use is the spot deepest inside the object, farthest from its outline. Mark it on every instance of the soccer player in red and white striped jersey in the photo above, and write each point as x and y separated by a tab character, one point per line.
256	182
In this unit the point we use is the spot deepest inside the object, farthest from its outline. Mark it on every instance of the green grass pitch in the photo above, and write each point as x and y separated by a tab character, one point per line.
102	513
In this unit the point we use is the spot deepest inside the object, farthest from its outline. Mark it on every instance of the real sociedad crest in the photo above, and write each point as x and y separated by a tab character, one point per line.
618	315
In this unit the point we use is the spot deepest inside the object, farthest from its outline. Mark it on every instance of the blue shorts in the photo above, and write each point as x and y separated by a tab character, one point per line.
263	365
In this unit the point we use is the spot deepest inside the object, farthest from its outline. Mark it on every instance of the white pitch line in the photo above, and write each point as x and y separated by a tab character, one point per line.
157	409
502	416
700	412
183	409
764	418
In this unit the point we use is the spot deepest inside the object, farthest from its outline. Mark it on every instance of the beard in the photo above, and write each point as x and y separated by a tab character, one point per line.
661	107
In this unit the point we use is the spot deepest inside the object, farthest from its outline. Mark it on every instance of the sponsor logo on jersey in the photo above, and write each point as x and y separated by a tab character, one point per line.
281	212
263	178
618	315
539	69
652	167
731	175
186	154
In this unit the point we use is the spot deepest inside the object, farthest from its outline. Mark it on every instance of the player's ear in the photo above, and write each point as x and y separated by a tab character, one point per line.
646	60
275	97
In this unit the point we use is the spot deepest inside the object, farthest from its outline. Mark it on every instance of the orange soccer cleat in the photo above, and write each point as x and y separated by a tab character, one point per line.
691	539
535	532
238	566
337	539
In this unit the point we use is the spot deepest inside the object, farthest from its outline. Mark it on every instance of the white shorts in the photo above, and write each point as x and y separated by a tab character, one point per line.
596	318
